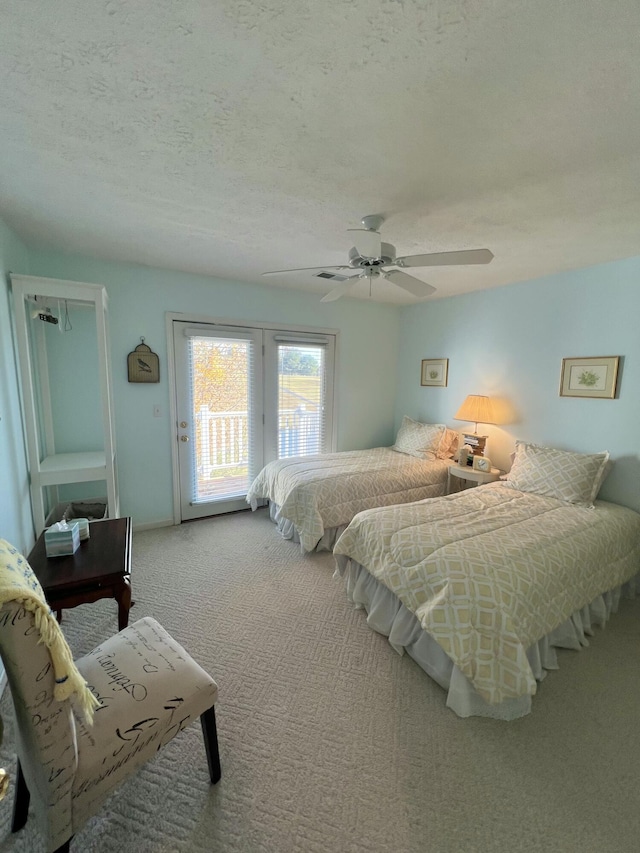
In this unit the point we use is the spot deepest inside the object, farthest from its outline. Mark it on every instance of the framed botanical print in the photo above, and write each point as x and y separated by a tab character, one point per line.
434	372
595	376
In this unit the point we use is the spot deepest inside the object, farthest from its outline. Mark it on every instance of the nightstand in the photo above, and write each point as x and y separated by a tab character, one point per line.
471	475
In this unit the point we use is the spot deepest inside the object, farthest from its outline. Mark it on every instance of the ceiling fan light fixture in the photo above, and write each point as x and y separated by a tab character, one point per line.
368	243
386	258
369	256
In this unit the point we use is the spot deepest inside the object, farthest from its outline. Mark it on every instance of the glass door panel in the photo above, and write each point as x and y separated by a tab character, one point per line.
298	394
219	416
300	399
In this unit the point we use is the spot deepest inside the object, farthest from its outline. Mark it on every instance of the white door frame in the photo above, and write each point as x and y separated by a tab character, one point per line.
198	319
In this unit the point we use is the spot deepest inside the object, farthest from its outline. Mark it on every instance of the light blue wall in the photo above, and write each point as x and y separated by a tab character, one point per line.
510	342
139	298
74	379
15	505
507	342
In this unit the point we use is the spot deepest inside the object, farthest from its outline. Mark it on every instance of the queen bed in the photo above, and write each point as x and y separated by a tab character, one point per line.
313	498
481	587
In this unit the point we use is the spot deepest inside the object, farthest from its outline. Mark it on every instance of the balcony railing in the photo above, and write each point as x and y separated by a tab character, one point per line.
299	433
223	439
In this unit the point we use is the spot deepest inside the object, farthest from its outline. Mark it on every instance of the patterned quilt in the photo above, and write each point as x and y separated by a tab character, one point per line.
321	492
491	570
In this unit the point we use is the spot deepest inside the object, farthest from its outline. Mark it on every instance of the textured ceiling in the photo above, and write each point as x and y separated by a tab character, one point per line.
238	136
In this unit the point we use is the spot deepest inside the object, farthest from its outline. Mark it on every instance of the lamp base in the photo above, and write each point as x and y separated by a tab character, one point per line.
476	442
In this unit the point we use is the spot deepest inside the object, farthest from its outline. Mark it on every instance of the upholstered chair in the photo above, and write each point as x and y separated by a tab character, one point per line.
84	727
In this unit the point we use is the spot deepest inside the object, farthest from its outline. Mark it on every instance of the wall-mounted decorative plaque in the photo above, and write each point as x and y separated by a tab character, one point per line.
143	365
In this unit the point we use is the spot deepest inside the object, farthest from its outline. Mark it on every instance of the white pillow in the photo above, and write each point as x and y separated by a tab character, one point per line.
418	439
572	477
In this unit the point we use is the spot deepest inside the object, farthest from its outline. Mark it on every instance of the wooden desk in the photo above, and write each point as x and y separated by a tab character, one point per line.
100	568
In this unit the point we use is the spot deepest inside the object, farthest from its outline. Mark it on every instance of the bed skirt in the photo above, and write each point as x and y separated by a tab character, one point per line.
288	530
388	616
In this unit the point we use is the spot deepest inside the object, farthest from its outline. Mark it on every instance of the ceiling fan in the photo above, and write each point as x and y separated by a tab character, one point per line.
371	257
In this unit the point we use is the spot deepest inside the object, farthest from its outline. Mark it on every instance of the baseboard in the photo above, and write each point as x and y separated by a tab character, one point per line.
151	525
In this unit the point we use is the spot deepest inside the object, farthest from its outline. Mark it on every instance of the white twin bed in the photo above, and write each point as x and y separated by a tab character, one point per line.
481	587
313	498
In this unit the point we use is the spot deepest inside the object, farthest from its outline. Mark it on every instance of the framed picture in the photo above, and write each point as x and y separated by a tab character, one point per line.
589	377
434	371
482	463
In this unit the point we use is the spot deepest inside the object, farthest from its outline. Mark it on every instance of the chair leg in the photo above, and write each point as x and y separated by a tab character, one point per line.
210	735
20	801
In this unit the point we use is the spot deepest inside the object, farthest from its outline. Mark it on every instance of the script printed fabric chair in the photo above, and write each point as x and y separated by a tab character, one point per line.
84	727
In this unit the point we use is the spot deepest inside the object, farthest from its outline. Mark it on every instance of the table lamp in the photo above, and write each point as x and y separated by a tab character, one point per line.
478	409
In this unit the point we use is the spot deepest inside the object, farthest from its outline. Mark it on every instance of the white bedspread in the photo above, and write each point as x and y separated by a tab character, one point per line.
491	570
320	492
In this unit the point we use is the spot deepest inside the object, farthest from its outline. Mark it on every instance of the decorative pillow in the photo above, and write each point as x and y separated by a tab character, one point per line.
418	439
572	477
448	444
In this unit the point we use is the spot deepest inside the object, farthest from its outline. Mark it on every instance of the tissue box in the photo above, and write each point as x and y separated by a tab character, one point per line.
83	525
62	539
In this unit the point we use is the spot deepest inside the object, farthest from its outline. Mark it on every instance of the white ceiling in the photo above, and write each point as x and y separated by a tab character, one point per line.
238	136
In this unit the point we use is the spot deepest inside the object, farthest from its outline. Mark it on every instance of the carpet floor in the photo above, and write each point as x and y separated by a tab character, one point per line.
330	742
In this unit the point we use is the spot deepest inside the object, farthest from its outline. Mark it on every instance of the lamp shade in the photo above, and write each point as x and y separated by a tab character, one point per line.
478	409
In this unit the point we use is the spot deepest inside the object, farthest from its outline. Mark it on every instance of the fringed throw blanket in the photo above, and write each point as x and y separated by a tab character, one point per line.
18	583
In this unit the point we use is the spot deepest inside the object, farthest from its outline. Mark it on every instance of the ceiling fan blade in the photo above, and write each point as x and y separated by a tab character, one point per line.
341	289
310	269
368	243
408	282
442	259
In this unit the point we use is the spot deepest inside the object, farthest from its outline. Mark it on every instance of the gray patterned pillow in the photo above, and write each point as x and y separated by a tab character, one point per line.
418	439
572	477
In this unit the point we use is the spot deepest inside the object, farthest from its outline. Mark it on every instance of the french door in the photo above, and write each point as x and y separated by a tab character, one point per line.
245	396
